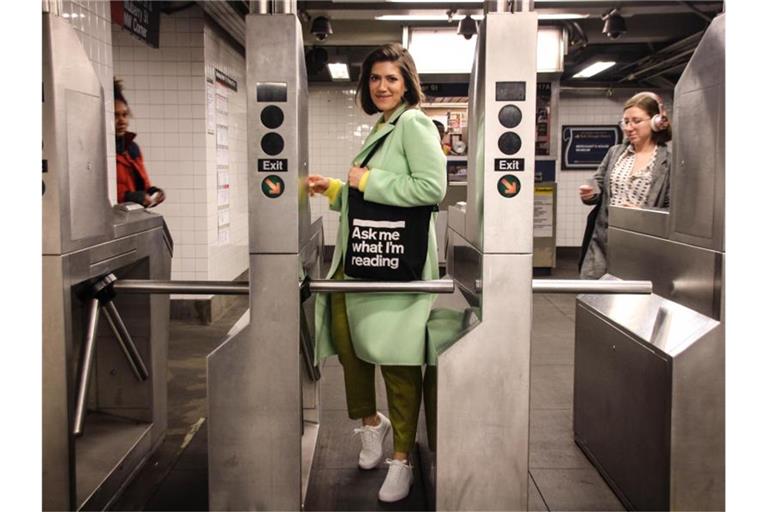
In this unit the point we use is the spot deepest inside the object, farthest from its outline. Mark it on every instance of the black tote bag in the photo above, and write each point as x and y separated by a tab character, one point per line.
385	243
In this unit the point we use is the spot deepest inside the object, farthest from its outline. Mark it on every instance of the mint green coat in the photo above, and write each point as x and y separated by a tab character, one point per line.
407	170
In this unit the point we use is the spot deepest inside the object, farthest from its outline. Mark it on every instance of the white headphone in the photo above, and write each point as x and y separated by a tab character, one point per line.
659	122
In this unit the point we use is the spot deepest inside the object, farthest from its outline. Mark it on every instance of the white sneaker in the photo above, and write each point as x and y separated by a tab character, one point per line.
398	483
373	438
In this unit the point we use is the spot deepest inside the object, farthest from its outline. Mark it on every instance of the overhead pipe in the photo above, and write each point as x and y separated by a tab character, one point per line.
686	43
637	74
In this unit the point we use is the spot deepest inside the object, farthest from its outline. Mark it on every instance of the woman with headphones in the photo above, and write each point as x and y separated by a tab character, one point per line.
634	173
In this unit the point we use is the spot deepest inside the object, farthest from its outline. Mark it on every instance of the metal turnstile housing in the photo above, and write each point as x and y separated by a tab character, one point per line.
649	391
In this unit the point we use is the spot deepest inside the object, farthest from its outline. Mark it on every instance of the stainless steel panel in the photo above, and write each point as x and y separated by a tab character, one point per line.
665	326
628	444
483	398
688	275
86	159
618	338
465	266
473	220
508	222
65	476
254	398
654	222
698	180
697	480
277	56
75	203
58	393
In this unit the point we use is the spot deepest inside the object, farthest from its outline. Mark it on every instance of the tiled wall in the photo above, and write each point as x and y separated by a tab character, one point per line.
226	259
337	129
91	19
165	90
589	109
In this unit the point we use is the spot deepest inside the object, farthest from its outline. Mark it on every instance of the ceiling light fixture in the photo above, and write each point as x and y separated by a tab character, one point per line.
595	68
339	71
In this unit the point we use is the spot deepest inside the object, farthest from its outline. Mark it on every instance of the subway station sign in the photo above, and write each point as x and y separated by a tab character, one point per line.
142	19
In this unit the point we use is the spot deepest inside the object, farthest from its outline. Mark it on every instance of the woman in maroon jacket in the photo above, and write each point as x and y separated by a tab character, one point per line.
132	179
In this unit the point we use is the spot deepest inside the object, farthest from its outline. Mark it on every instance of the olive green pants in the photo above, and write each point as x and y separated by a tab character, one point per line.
403	383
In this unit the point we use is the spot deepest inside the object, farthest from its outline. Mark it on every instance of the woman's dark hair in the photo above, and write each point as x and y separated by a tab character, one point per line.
390	52
118	90
650	105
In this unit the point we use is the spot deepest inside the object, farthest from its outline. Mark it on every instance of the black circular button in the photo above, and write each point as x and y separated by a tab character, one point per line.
510	116
272	143
509	143
272	117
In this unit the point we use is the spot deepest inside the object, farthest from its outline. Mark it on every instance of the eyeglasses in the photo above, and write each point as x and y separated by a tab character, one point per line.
626	123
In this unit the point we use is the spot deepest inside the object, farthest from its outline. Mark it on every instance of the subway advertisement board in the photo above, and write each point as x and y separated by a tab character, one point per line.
584	147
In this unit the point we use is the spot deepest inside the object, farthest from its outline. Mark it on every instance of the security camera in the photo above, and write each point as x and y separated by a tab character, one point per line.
467	27
321	28
615	25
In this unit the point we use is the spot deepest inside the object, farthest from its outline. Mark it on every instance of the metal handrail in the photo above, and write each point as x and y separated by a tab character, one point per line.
333	285
591	286
242	287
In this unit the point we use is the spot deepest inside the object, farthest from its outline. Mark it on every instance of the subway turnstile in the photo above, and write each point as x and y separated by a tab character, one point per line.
481	462
104	382
262	398
649	389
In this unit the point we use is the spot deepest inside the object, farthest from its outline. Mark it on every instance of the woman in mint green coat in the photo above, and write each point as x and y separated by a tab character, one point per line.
385	329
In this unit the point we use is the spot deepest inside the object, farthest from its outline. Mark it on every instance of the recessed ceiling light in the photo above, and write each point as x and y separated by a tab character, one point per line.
595	68
338	70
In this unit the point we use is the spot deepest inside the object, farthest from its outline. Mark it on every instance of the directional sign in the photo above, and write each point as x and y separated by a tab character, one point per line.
273	186
508	185
508	164
273	164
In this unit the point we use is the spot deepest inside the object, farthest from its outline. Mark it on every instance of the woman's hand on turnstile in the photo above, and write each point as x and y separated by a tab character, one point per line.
317	184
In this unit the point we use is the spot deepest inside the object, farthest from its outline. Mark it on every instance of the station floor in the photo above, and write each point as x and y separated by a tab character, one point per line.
560	476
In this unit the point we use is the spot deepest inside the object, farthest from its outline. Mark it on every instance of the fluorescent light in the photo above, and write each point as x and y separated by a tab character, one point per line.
435	1
339	70
563	16
593	69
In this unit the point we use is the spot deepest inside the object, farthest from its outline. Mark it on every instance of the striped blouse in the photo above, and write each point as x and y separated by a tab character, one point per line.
630	188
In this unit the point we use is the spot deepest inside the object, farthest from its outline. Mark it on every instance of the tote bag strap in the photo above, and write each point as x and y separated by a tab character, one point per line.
378	143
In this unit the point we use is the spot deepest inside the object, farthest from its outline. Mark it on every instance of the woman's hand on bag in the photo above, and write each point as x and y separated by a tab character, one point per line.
355	173
317	184
586	192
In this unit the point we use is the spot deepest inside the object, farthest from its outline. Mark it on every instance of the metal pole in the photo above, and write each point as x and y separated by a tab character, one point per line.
132	352
85	368
126	342
242	287
588	286
188	287
332	285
